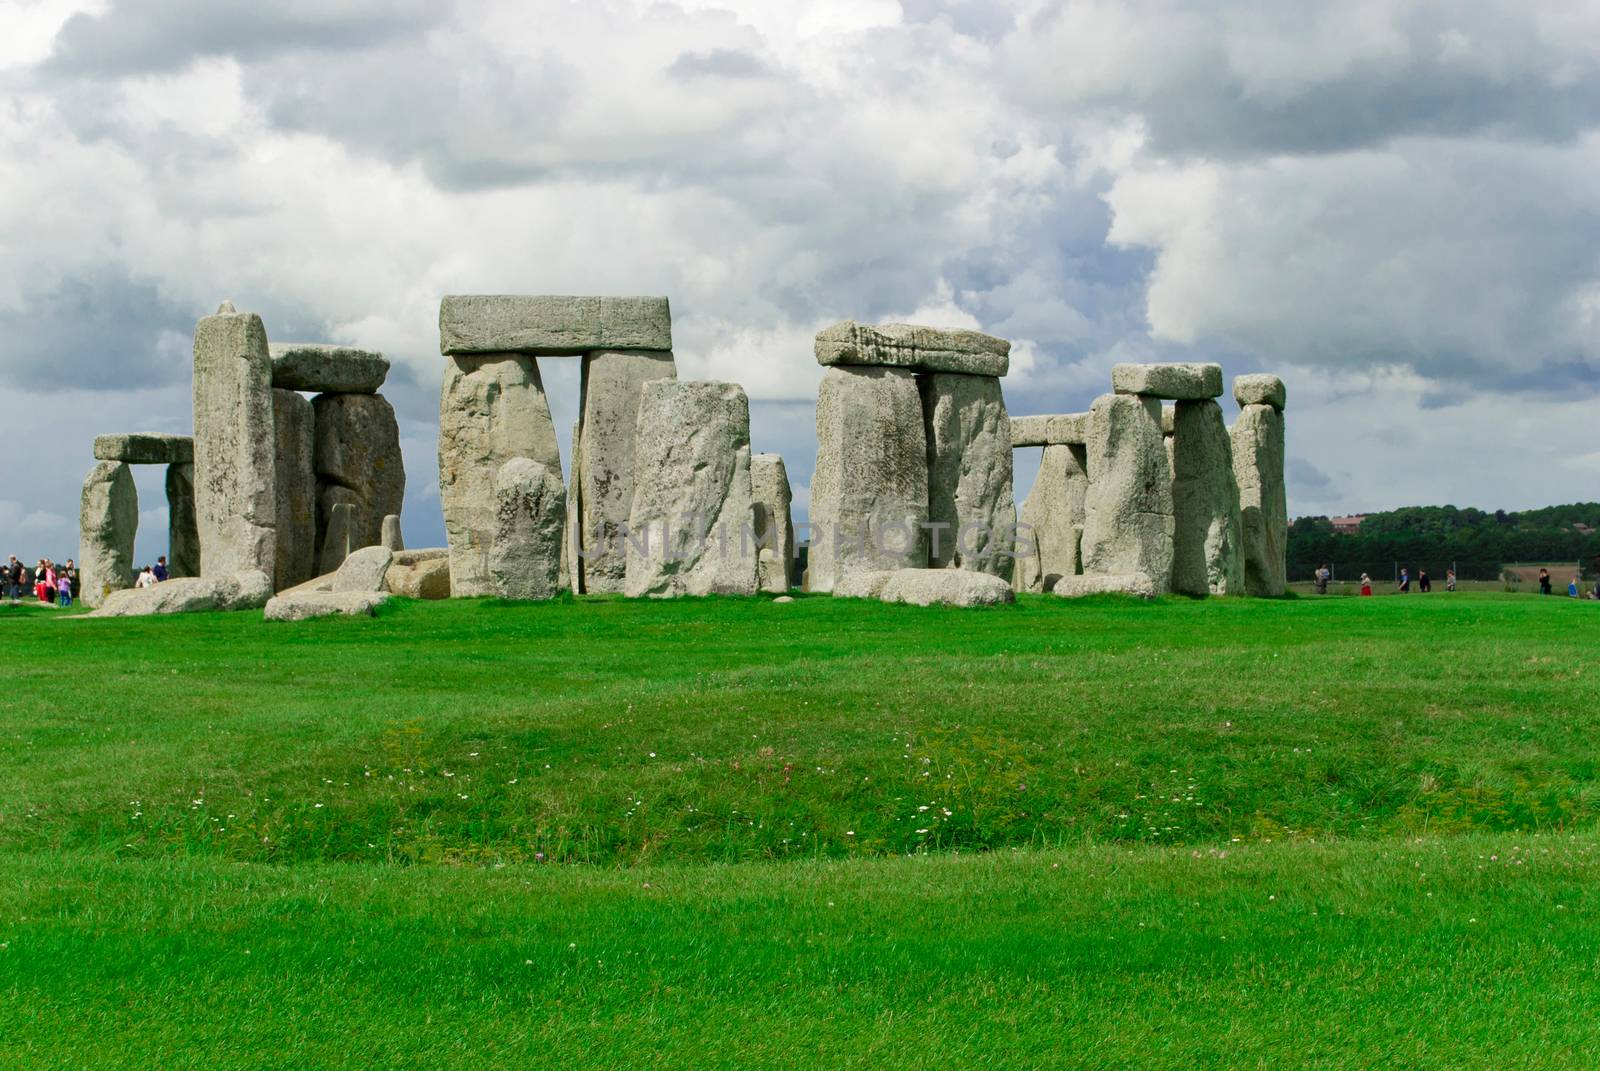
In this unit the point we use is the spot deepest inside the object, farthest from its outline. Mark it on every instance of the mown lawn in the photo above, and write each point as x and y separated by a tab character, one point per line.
733	833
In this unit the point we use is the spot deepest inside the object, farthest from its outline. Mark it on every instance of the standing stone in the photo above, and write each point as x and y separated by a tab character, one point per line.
869	493
571	537
358	446
392	538
691	528
1258	468
183	538
108	518
972	512
1208	533
603	483
530	516
492	408
296	559
236	506
334	515
1128	510
774	527
1052	519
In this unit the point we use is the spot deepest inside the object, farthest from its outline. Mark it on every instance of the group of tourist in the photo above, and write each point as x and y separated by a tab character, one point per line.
1324	575
58	585
1575	588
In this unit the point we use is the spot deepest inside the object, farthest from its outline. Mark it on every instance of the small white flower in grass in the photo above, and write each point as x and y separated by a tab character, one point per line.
573	945
849	832
652	754
922	831
315	806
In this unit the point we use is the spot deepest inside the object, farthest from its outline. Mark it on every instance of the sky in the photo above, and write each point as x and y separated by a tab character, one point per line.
1391	205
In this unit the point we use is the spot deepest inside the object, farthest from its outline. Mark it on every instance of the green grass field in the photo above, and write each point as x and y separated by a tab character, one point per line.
1332	833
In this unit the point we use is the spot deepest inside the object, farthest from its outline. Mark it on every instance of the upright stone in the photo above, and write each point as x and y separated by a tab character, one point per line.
972	512
296	558
530	516
691	528
334	518
183	538
774	527
1052	519
1258	467
492	408
1128	510
108	518
1208	533
603	483
358	447
869	493
392	537
236	506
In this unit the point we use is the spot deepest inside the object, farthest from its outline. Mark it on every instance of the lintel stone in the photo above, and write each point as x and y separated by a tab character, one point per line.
1057	429
145	448
552	325
1259	389
321	368
909	346
1176	382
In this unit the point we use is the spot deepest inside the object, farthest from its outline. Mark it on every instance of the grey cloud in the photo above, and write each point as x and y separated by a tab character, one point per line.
717	63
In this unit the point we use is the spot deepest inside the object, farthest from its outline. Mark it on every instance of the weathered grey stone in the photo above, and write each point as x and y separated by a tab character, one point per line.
784	599
358	446
307	605
363	570
295	561
1208	533
862	583
946	587
691	528
603	483
392	538
1138	585
335	508
1257	440
108	519
571	563
145	448
1058	429
236	505
530	513
972	511
183	537
427	579
321	583
552	325
1259	389
774	526
491	409
1128	509
417	557
869	493
1052	519
242	591
318	368
1180	382
920	349
1169	419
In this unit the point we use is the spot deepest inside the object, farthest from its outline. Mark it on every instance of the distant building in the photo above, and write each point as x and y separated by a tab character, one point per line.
1348	525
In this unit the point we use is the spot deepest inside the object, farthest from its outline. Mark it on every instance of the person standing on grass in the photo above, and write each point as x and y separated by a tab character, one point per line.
11	579
1424	585
64	589
1572	589
1324	574
1366	584
1449	579
161	568
1405	581
1544	581
71	574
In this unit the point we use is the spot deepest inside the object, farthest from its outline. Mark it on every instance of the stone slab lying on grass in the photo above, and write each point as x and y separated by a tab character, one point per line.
364	570
307	605
909	346
145	448
1178	382
1259	389
316	367
1056	429
427	579
926	587
241	591
1076	587
552	324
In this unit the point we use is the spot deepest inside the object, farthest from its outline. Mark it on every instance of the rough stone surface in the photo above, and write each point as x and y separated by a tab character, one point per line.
491	409
530	513
863	583
972	512
869	492
363	570
920	349
183	537
1059	429
145	448
108	520
946	587
307	605
1259	389
236	506
1179	382
318	368
358	446
1128	510
424	554
553	325
774	525
242	591
1052	519
296	558
335	508
1076	587
1208	532
1169	419
392	538
612	380
692	524
429	579
1257	439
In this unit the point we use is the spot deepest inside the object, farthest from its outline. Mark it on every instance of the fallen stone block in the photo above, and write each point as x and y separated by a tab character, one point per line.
1178	382
307	605
319	368
1258	389
946	587
363	570
428	579
145	448
552	325
909	346
243	591
1138	585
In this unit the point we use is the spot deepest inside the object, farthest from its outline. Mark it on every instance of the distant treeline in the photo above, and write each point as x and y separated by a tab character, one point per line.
1432	537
